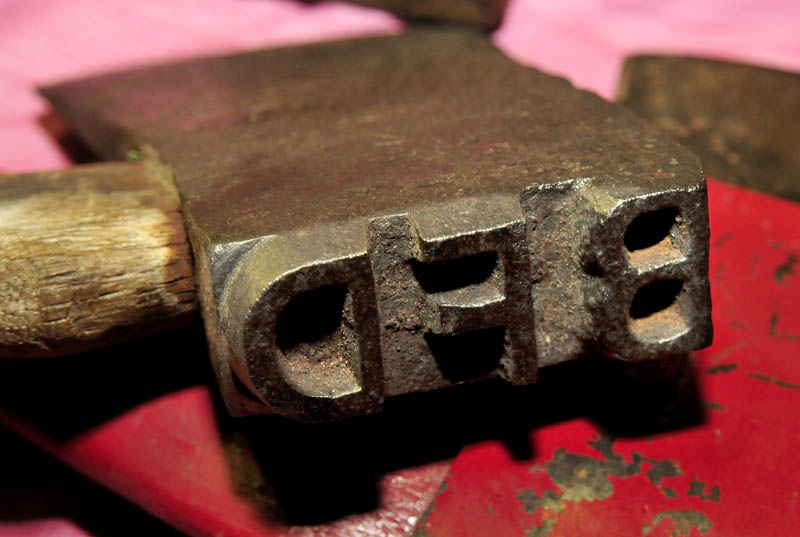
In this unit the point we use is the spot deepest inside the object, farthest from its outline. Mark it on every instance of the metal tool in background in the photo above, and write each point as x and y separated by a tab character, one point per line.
396	214
741	120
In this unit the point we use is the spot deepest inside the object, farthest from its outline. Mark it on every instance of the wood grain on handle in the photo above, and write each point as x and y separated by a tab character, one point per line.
90	256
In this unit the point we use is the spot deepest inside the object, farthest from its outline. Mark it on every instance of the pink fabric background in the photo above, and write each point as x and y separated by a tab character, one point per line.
43	41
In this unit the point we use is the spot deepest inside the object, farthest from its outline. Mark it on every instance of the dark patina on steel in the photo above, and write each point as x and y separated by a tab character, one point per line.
742	120
388	215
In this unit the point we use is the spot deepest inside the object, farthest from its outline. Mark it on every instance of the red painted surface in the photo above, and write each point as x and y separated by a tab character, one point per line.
746	444
167	456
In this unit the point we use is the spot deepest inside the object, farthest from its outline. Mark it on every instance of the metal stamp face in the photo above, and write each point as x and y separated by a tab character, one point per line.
398	214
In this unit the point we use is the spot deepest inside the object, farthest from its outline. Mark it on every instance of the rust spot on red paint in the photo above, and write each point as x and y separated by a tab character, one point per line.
670	492
733	348
661	469
785	269
774	380
543	529
684	522
720	368
774	332
549	500
725	237
698	488
584	478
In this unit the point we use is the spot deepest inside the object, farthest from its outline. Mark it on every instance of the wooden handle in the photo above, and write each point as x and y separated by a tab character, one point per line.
91	256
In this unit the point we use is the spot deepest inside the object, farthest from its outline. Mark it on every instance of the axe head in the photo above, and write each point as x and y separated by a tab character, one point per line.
397	214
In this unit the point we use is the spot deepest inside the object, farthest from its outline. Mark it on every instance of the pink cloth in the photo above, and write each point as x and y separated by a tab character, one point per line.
42	41
47	527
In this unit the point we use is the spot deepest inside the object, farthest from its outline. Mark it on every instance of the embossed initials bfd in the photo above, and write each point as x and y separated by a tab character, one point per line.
482	287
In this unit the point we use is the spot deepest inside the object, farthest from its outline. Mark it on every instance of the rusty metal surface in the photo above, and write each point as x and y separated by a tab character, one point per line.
708	449
396	214
740	119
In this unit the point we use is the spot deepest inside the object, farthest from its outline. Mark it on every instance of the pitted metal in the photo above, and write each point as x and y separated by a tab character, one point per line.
398	214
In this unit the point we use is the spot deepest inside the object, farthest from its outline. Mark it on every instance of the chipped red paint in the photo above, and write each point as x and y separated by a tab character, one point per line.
166	454
739	469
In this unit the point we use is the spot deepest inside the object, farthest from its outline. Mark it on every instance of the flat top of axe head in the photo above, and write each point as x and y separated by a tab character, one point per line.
273	140
359	169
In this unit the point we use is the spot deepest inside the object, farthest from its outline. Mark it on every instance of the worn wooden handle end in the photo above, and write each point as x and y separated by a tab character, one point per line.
91	256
